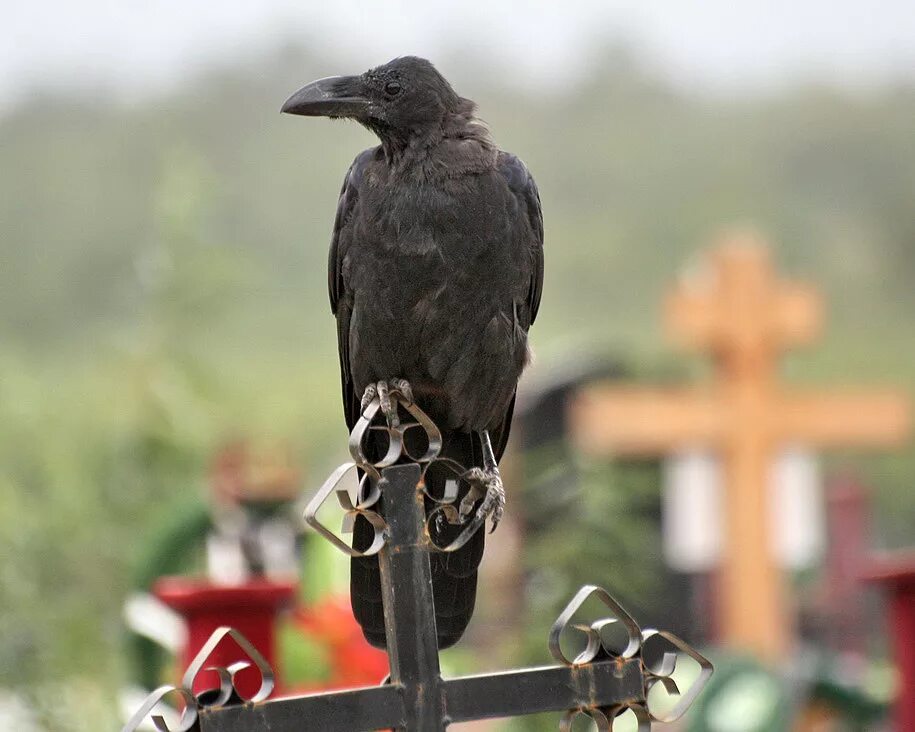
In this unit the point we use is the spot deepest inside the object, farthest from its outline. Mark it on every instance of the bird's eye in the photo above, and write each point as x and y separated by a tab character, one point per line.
392	88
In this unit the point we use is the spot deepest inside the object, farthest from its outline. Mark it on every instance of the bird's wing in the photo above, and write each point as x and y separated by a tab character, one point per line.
522	185
530	222
340	301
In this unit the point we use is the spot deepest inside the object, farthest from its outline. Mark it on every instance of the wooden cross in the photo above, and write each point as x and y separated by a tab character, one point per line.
745	318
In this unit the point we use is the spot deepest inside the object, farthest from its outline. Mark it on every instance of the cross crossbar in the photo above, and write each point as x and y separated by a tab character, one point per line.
465	698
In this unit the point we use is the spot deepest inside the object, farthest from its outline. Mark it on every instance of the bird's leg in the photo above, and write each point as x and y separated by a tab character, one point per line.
387	392
485	483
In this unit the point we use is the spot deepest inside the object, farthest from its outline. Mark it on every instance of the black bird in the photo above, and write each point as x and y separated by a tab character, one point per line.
435	275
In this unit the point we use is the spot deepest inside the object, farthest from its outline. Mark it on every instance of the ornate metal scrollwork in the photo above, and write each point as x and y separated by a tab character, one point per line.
596	647
605	718
663	672
186	721
227	673
595	641
367	496
226	691
371	485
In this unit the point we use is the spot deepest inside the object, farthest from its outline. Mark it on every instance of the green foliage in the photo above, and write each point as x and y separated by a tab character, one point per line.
585	523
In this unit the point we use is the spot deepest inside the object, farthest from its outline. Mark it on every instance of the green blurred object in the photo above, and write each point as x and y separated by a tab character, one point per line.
174	547
742	696
856	705
303	660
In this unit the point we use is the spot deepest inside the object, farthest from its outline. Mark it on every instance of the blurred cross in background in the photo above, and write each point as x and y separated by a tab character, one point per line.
746	318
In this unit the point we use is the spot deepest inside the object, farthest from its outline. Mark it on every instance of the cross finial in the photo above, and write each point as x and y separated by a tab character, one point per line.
735	306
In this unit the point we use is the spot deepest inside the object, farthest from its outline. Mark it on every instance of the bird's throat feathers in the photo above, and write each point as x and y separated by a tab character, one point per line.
458	144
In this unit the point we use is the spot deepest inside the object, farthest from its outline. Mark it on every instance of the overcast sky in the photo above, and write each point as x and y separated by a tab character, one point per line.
716	44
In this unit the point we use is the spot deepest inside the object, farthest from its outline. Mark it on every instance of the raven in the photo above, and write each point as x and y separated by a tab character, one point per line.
435	275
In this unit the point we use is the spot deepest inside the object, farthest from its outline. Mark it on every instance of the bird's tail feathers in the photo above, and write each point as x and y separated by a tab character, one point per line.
454	574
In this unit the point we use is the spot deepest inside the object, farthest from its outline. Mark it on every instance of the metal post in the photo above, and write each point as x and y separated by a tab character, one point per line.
409	612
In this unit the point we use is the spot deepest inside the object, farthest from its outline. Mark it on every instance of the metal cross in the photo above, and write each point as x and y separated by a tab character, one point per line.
600	682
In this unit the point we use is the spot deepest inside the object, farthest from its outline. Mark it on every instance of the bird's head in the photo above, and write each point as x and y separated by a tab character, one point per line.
403	98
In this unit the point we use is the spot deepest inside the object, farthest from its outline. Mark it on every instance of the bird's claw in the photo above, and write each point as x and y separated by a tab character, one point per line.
403	388
371	391
388	391
388	405
485	484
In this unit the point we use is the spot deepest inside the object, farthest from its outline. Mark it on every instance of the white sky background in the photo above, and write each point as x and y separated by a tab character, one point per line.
716	45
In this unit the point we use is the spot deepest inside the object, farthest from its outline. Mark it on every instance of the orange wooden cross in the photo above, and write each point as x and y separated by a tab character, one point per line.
745	318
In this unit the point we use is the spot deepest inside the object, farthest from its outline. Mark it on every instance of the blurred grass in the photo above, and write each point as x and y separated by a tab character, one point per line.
163	287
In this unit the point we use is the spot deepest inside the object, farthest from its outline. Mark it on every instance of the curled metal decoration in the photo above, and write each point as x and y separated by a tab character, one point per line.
227	673
372	484
662	672
360	507
396	433
226	682
192	704
641	714
186	721
603	722
604	718
659	672
595	643
470	528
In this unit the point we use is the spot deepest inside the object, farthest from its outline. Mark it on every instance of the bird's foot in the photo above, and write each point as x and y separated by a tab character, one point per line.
485	483
388	392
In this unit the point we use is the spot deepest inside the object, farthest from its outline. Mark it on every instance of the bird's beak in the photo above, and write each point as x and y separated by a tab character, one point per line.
335	96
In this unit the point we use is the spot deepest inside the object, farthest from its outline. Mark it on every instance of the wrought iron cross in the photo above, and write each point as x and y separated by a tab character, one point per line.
600	682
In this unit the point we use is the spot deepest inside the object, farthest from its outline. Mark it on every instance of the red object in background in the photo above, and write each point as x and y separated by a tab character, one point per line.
840	599
252	609
896	574
353	661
